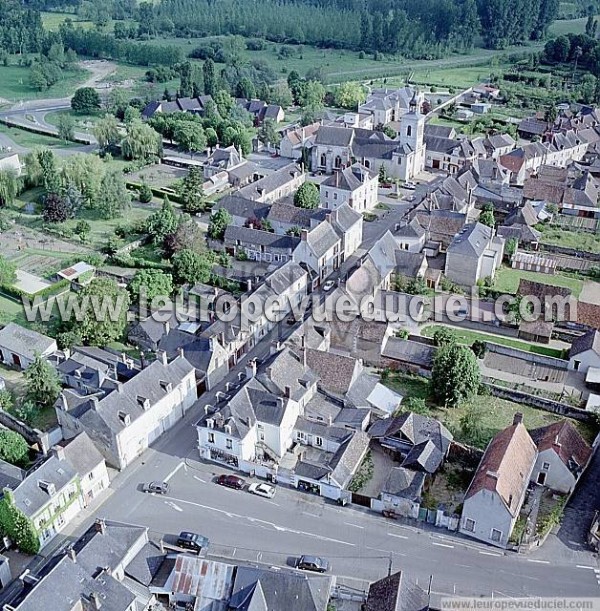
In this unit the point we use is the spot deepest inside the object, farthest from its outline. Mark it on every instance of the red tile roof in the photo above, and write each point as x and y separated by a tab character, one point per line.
565	440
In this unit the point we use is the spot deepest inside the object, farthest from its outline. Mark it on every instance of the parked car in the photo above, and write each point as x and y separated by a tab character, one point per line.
156	487
409	184
313	563
192	541
327	286
262	490
231	481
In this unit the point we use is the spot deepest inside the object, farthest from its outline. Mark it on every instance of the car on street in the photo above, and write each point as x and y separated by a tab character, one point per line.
409	184
156	487
262	489
231	481
291	320
313	563
192	541
327	286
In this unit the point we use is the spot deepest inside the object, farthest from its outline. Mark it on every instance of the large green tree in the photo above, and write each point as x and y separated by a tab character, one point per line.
66	127
85	100
191	267
455	375
141	142
42	383
162	222
13	447
191	191
190	137
107	133
9	187
219	221
307	196
8	272
152	282
113	199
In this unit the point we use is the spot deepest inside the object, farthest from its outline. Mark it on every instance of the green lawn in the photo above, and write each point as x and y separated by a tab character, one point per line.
467	337
11	311
507	280
29	140
14	83
589	242
82	121
568	26
494	414
52	21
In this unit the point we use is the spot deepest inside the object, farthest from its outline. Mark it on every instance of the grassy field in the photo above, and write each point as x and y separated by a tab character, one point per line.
507	280
567	26
14	84
580	240
82	121
30	140
467	337
52	21
11	311
494	414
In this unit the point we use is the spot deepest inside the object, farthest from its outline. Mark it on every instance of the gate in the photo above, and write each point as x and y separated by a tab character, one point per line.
361	499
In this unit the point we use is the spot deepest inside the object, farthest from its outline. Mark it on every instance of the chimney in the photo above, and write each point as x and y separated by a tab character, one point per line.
95	600
181	352
288	392
119	387
142	360
518	418
162	356
557	442
250	369
166	327
59	452
329	420
304	235
100	526
71	553
328	217
275	348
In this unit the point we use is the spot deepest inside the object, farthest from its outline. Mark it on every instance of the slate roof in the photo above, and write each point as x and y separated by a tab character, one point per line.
322	238
424	456
246	236
334	136
408	351
224	158
290	214
405	483
349	179
472	241
506	466
82	454
337	372
272	182
413	229
344	218
409	263
25	342
526	215
258	589
564	439
243	207
585	342
439	131
396	593
10	475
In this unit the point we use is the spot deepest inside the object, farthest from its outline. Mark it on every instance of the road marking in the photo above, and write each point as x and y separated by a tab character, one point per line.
181	464
397	536
176	507
584	566
308	513
200	479
355	525
538	561
442	544
490	554
273	503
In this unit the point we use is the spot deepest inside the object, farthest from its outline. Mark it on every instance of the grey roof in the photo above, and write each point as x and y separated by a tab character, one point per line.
284	277
396	593
225	157
24	341
245	236
322	238
441	145
471	241
10	475
405	483
292	215
349	179
408	351
424	456
257	589
439	131
409	263
334	136
585	342
243	207
344	218
323	429
146	564
33	493
82	454
337	372
270	183
69	585
413	229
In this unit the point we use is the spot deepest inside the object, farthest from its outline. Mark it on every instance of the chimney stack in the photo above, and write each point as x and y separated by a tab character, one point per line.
59	452
71	553
166	327
95	600
518	418
100	526
304	235
250	369
288	392
162	355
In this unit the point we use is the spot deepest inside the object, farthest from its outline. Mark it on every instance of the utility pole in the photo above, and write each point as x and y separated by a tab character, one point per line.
390	564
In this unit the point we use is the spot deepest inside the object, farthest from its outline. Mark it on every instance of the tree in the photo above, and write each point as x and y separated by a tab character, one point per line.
85	100
83	229
15	525
349	95
67	339
56	209
107	133
37	77
131	114
152	282
66	127
113	198
245	89
99	326
312	96
42	383
190	137
479	348
85	173
162	222
190	267
416	405
13	448
191	192
118	101
455	375
208	72
187	236
511	247
141	142
269	134
487	218
281	94
8	272
224	102
471	426
9	187
218	224
307	196
212	139
145	193
443	336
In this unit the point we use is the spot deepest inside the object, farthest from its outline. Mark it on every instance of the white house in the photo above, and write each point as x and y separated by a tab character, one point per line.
19	346
348	224
320	249
563	455
126	421
497	492
585	352
357	186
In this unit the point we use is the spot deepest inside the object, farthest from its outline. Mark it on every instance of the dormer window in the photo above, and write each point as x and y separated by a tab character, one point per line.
166	386
143	402
125	418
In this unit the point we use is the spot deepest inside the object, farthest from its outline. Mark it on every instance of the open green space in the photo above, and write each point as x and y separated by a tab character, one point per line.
580	240
11	311
467	337
567	26
15	86
494	414
507	280
83	122
52	21
30	140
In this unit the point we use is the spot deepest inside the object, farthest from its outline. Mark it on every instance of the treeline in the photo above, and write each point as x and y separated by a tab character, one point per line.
574	48
21	29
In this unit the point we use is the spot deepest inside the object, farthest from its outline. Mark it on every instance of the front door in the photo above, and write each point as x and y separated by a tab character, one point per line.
16	360
541	478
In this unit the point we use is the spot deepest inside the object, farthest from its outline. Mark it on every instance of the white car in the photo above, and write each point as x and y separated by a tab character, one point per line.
327	286
262	490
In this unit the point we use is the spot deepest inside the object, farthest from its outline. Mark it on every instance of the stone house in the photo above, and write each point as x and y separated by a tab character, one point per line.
357	186
19	346
585	352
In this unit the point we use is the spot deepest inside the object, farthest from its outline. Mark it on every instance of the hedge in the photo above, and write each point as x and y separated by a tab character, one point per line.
58	287
136	186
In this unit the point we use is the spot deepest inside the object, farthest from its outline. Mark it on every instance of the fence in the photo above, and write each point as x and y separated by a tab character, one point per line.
43	440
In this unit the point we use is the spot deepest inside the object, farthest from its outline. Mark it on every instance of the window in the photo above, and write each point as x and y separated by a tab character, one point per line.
211	438
367	163
91	475
338	162
496	535
261	436
301	435
469	525
323	160
576	365
318	441
229	444
326	193
409	131
546	466
335	196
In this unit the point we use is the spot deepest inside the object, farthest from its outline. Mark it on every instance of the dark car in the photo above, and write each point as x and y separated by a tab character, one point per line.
156	487
313	563
231	481
192	541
